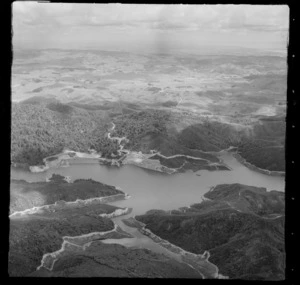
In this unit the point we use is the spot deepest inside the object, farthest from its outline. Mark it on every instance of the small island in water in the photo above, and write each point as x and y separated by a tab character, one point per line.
143	157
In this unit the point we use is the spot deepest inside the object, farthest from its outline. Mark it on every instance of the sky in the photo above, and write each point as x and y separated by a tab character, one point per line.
147	27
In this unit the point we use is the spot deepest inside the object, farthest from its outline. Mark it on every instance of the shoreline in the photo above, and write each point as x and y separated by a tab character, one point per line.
136	158
117	213
78	244
250	166
141	160
189	258
126	157
77	203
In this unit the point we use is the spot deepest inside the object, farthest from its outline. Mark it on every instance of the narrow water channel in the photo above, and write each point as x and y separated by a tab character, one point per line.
152	190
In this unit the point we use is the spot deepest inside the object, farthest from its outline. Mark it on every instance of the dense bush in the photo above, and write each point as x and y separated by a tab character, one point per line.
209	136
262	147
137	124
266	147
243	243
38	132
31	238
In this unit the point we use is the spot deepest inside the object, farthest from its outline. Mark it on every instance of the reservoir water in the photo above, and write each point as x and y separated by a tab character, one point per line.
154	190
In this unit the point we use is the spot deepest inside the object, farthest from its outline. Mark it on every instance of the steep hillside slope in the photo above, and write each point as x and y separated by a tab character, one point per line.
241	226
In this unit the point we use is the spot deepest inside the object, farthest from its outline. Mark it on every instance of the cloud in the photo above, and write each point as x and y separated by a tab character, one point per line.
50	21
156	16
260	18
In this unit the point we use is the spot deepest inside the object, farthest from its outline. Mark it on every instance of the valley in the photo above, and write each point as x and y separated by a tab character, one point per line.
147	165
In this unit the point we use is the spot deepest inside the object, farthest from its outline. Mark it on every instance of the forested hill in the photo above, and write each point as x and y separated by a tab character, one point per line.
39	130
262	144
241	226
43	127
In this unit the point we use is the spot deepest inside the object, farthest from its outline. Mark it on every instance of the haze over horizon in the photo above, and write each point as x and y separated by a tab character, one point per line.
148	141
150	28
